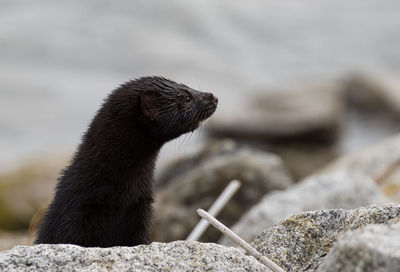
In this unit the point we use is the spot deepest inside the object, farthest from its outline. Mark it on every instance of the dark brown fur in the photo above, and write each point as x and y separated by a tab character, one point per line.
104	198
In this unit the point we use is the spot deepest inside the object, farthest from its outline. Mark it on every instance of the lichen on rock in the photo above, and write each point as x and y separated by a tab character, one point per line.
299	242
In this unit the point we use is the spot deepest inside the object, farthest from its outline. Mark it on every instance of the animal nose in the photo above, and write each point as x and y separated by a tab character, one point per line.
213	98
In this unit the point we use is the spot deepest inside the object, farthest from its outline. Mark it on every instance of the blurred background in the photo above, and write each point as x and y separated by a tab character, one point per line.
306	80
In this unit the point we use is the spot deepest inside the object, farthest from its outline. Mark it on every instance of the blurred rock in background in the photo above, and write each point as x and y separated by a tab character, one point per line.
301	124
380	163
378	93
310	126
23	192
195	182
303	113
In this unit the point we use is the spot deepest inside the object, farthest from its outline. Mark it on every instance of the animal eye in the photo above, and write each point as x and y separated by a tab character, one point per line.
187	98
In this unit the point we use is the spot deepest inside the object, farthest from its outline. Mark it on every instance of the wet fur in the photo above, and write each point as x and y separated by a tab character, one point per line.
104	198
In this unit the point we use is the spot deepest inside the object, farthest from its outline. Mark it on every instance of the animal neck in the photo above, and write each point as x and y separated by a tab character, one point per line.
122	163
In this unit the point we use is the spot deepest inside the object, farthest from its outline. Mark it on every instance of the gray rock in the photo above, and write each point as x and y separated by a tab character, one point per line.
373	162
373	112
300	124
304	159
364	178
299	242
283	115
181	166
337	190
376	92
380	163
202	180
176	256
375	248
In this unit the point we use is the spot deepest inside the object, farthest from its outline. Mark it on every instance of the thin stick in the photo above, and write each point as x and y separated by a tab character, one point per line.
225	230
216	207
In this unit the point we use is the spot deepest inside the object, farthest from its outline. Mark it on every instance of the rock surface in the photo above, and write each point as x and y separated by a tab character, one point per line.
373	161
299	242
340	190
291	123
284	115
364	178
176	256
199	181
380	163
304	159
374	248
375	92
181	166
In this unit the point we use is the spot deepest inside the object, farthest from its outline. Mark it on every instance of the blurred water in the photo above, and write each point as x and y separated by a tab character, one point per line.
59	59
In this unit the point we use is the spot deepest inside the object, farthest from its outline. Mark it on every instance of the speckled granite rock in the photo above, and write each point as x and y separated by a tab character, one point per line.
374	248
338	190
299	242
176	256
204	178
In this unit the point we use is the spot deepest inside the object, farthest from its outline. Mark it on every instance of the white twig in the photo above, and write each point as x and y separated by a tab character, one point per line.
225	230
216	207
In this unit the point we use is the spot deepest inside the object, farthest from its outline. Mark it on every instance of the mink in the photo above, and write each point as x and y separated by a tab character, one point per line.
104	197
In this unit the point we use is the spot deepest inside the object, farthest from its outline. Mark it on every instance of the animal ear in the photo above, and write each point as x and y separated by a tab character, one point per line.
150	104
